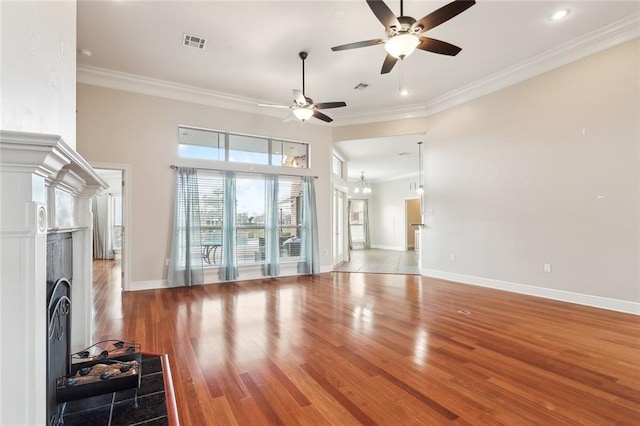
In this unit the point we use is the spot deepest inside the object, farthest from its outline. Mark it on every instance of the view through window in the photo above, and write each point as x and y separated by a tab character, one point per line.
249	217
221	146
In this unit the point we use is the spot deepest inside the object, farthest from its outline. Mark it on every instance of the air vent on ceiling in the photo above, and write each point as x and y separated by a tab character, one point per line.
361	86
403	153
193	41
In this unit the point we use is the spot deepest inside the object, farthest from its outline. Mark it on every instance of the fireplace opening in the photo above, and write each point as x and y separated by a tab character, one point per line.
59	273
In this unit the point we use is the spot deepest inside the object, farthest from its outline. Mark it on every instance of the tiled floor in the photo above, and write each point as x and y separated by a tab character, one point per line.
119	409
381	262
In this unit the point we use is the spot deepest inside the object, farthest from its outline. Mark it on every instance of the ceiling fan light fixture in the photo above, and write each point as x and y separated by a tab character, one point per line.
559	15
401	45
302	114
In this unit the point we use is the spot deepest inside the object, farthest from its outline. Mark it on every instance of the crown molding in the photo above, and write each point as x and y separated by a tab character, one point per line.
604	38
118	80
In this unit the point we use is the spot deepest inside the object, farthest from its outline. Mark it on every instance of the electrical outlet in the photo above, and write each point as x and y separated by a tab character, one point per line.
166	262
547	267
453	257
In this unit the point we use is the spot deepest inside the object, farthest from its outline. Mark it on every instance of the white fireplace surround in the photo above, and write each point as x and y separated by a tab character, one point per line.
45	187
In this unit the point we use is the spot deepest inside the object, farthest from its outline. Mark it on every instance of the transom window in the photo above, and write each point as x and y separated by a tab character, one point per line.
222	146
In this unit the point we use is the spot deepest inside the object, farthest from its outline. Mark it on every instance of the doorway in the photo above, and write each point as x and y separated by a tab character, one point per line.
413	217
109	208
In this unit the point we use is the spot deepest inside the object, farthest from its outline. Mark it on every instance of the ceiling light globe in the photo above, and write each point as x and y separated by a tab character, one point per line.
356	190
559	14
402	45
303	114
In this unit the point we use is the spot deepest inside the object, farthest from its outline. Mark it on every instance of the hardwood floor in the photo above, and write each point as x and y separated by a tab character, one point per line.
350	348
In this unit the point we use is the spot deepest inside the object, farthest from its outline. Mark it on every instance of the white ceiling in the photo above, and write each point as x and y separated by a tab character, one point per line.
251	54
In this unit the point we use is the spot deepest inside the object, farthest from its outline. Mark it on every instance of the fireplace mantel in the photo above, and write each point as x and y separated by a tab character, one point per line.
45	187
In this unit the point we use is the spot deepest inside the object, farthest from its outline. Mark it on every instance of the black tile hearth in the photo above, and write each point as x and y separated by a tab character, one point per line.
119	408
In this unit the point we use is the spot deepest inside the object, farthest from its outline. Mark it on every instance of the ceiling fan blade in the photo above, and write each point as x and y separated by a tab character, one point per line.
358	44
327	105
321	116
383	13
389	63
443	14
274	106
438	46
299	98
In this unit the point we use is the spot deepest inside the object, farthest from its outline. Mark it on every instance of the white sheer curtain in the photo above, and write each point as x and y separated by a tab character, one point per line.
309	251
365	224
229	266
102	209
271	234
185	264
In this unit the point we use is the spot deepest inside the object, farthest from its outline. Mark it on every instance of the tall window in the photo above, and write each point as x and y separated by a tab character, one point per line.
221	146
336	166
250	217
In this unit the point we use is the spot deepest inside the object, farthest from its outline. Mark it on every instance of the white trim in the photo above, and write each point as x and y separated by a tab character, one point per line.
249	273
547	293
383	247
147	285
604	38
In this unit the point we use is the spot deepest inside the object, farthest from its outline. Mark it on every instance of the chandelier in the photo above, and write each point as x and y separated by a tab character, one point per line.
363	187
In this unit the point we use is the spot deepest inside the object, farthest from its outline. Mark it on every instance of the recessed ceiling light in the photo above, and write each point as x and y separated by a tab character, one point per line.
558	15
404	93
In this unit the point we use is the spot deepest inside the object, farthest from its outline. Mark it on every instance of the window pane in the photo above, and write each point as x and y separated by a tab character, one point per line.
205	144
250	206
289	217
290	154
211	191
356	221
248	149
337	166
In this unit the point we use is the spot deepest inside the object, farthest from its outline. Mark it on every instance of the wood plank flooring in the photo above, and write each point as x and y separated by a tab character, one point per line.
350	348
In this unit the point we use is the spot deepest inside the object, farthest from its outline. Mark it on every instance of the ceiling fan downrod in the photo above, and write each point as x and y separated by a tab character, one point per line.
303	56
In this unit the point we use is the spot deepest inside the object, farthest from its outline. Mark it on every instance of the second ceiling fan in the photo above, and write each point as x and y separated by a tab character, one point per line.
303	107
405	34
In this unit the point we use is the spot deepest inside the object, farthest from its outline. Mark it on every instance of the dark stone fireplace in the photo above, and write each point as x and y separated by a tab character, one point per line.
59	276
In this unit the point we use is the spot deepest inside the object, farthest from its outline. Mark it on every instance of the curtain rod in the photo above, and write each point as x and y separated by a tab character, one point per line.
173	166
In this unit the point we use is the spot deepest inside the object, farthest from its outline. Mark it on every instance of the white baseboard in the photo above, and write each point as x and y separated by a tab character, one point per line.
397	248
148	285
211	277
548	293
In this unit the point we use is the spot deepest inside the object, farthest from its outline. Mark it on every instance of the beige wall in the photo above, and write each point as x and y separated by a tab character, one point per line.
545	171
142	131
38	78
388	215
